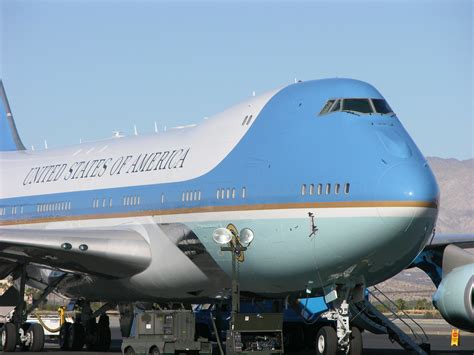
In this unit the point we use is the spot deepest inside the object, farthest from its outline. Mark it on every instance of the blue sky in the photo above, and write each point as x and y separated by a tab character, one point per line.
82	69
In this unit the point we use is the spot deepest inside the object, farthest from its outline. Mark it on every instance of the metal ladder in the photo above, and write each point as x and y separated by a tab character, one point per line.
375	321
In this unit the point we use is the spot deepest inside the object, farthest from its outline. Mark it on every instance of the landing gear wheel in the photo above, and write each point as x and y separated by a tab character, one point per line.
104	336
91	337
356	342
25	344
154	351
64	336
129	351
76	336
9	337
326	341
36	334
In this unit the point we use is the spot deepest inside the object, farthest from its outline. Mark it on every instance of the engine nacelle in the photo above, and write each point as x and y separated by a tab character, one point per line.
455	297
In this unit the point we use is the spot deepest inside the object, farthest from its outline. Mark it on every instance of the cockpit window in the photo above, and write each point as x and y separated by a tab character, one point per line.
358	106
381	106
326	107
336	106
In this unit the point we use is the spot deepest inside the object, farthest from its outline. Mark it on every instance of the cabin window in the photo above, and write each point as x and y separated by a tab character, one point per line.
250	119
233	193
228	194
222	193
328	189
218	194
311	189
162	198
336	188
320	189
245	119
244	192
347	186
303	189
199	195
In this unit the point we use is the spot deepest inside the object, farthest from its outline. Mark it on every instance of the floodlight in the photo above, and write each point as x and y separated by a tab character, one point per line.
246	236
222	236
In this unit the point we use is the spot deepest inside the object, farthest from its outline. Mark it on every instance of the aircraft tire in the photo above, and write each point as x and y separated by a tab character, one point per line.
36	334
154	351
326	341
64	336
103	333
76	336
129	351
356	342
9	337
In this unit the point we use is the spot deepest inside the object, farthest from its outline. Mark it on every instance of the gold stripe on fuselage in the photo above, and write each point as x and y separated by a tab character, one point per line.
207	209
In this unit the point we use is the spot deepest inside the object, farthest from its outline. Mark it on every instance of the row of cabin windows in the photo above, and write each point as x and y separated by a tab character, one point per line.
321	189
229	193
54	207
13	210
131	200
188	196
97	202
247	120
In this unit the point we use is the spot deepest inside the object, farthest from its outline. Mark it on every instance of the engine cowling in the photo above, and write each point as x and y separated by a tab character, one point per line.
455	297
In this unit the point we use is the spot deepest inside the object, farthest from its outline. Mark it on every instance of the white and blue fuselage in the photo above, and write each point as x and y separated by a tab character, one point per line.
266	164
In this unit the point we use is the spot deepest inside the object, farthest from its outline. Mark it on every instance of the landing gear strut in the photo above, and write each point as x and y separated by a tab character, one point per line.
18	332
344	337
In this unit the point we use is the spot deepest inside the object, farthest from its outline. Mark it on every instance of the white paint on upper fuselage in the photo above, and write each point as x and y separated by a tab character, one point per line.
208	143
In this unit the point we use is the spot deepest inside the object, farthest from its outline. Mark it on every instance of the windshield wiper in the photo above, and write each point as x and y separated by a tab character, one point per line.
350	111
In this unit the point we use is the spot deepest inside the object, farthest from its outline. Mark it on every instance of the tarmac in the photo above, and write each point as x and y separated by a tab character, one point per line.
437	330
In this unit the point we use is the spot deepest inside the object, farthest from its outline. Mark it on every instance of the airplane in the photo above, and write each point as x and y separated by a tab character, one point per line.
330	190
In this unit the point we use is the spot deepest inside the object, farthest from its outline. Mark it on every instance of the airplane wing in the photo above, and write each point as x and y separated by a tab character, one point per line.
463	241
112	253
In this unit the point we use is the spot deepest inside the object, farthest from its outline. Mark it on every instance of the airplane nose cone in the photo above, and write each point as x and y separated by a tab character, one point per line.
408	181
405	191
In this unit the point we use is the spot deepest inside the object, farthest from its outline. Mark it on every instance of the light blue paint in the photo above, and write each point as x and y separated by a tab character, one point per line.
288	145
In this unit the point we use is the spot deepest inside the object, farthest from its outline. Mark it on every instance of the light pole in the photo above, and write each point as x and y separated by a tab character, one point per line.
236	243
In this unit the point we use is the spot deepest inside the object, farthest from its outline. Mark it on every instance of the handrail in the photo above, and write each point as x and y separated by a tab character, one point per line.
416	335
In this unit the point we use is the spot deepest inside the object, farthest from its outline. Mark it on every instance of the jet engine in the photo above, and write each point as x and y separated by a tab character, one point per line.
455	297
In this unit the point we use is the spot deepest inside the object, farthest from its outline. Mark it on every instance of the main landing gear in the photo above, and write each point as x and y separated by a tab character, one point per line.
86	330
29	336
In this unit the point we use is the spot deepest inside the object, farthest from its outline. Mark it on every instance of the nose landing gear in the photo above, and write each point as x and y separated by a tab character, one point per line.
344	337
